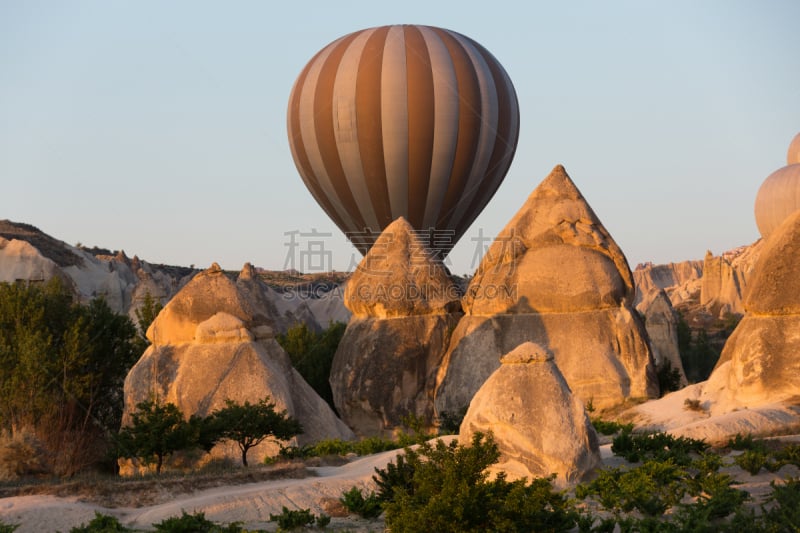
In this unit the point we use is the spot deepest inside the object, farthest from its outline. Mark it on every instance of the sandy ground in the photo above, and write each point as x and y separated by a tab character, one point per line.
252	503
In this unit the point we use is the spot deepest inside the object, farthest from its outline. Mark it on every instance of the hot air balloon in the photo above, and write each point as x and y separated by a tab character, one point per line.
403	120
779	195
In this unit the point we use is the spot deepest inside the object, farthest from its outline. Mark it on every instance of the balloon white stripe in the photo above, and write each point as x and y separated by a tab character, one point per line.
308	132
445	129
489	119
345	127
394	120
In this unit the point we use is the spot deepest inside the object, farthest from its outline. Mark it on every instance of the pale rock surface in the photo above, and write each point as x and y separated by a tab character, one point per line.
399	278
404	308
214	341
682	278
553	276
725	279
661	322
21	261
539	426
27	253
754	387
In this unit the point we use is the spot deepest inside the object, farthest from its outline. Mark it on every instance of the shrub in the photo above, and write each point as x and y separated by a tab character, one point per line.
195	523
650	489
444	488
293	519
101	524
355	502
8	528
691	404
746	442
784	512
660	446
751	461
605	427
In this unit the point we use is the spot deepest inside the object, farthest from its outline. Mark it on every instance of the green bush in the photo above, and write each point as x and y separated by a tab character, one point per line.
752	461
101	524
784	512
355	502
195	523
635	447
293	519
606	427
746	442
445	488
8	528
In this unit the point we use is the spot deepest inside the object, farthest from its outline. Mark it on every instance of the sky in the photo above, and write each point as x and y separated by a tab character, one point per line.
159	127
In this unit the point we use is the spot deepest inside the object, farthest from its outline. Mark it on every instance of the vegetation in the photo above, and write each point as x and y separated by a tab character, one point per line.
355	502
290	520
194	523
605	427
101	524
635	447
145	315
157	431
669	379
161	429
445	488
312	354
248	425
62	368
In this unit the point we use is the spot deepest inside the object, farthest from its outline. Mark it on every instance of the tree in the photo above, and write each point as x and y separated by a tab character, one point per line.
157	430
248	425
312	354
145	315
62	367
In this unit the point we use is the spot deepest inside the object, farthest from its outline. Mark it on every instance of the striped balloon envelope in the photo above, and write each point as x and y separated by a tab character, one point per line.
404	120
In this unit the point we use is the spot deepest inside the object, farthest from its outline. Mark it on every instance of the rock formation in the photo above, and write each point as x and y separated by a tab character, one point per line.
754	387
681	281
539	426
404	307
725	278
553	276
661	322
26	253
214	341
763	353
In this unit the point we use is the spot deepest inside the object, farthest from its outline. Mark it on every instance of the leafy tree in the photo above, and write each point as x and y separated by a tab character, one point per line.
62	367
157	430
445	488
145	315
312	354
248	425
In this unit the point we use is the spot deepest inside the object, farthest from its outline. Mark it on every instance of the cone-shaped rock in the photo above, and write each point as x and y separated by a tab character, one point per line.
399	277
553	276
762	356
404	308
213	342
539	426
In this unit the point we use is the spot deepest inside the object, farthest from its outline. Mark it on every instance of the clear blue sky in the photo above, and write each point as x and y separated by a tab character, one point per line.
159	127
